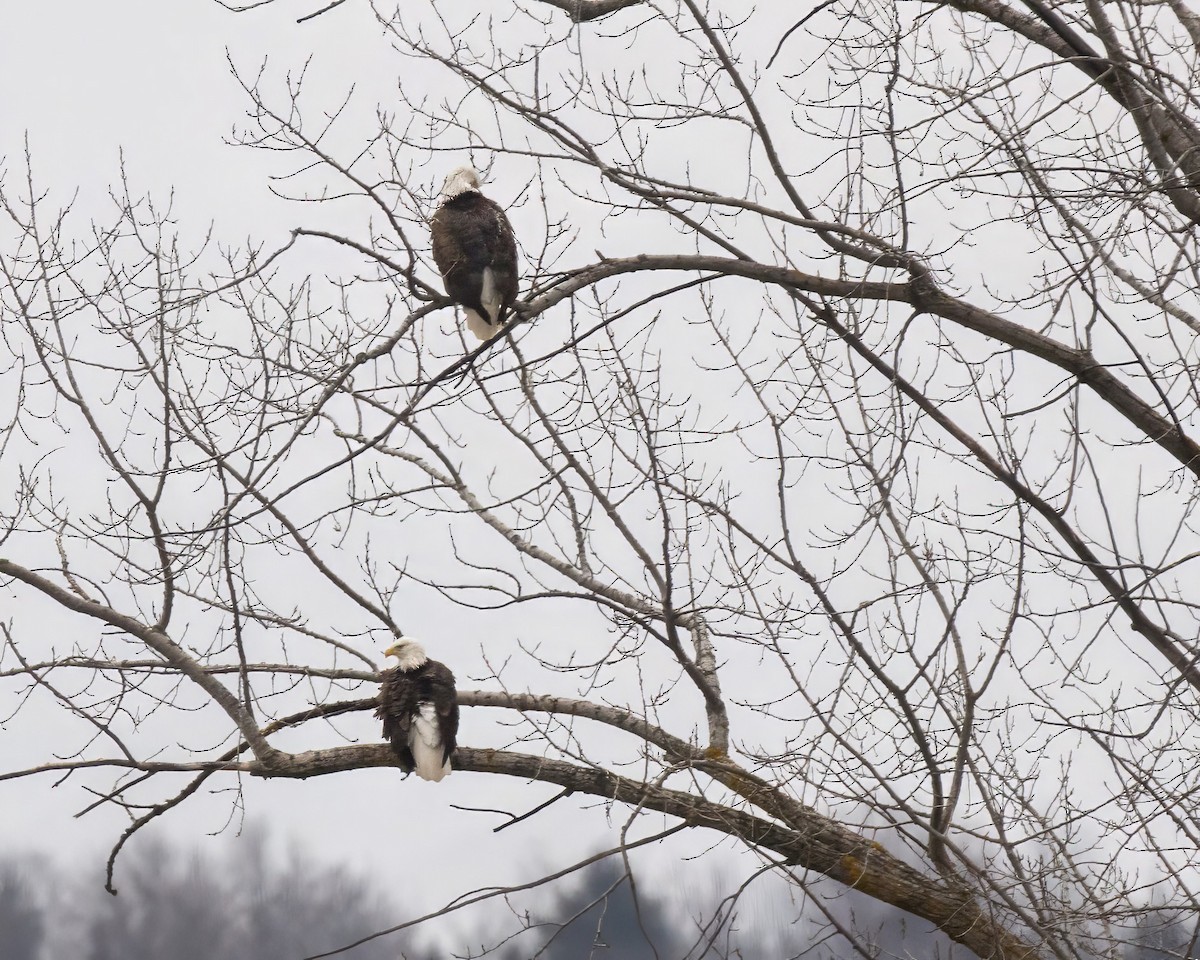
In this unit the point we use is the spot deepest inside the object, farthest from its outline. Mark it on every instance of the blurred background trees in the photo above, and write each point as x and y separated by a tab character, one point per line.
21	917
245	902
251	901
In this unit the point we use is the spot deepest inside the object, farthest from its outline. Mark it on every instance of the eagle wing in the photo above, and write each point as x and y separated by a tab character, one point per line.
504	259
444	696
397	703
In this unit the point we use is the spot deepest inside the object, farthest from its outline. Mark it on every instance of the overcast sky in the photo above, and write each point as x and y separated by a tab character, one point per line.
149	84
148	87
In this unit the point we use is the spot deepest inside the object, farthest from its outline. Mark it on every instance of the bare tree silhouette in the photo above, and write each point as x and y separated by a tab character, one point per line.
834	491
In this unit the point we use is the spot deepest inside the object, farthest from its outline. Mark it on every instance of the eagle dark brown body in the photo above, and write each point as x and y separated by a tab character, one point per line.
419	710
476	253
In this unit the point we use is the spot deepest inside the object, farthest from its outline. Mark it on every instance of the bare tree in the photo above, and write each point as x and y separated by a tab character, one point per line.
845	492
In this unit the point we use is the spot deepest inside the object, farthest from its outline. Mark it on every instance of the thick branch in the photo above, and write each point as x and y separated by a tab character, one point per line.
583	10
825	846
1167	138
923	294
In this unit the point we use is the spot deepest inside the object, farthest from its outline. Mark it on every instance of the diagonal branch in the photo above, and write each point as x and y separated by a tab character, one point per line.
924	294
158	641
822	845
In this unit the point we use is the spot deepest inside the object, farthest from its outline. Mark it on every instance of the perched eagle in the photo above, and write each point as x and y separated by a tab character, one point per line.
419	710
476	252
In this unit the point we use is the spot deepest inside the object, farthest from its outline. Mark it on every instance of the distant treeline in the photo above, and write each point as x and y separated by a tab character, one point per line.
246	903
177	904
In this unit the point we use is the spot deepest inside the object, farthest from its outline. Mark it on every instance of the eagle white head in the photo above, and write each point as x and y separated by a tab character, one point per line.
409	652
460	181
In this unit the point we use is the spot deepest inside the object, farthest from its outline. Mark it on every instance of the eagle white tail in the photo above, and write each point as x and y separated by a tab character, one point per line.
479	326
425	740
485	327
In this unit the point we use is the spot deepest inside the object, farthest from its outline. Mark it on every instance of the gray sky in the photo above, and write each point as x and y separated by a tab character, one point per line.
98	83
149	84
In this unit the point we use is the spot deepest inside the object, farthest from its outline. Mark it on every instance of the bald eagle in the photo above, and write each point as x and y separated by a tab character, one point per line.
476	252
419	710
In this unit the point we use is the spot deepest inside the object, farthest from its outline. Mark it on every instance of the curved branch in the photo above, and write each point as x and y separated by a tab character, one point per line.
1167	137
923	294
825	846
583	10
